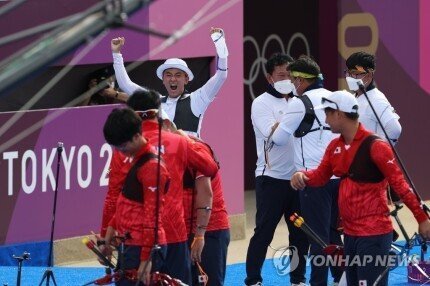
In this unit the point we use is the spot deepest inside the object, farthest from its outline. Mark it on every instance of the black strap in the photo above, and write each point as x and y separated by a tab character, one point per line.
132	188
362	168
308	121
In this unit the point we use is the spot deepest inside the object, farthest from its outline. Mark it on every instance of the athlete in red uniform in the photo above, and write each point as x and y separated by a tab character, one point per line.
210	239
366	165
139	200
178	153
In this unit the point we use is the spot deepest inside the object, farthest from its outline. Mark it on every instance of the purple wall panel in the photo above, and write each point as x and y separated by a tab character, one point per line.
82	183
27	216
401	73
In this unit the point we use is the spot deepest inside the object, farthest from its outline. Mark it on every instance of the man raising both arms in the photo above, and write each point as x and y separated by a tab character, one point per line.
185	109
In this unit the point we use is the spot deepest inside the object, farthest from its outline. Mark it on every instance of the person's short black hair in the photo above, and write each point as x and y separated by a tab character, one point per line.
144	99
352	115
305	64
121	125
362	59
277	59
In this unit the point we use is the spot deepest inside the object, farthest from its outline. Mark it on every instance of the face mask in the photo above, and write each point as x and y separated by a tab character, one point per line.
353	83
283	86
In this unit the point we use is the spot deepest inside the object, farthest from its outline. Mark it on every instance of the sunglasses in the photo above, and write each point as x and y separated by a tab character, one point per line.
324	100
355	74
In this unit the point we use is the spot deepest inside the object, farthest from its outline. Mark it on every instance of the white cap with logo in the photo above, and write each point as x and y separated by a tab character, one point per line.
174	63
340	100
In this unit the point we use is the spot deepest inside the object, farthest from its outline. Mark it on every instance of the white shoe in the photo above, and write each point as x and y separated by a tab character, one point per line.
257	284
300	284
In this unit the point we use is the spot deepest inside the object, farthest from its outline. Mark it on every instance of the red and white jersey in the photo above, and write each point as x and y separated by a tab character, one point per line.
363	206
219	217
138	218
178	153
118	170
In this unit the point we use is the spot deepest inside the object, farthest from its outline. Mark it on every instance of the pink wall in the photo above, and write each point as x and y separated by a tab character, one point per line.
223	123
224	119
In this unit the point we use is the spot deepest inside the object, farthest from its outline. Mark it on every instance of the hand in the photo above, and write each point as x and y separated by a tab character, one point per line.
144	271
116	44
218	37
92	83
197	248
424	229
106	250
216	30
108	92
298	181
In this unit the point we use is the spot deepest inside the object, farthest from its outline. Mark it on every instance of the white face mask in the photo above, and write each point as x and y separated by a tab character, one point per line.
283	86
353	83
295	89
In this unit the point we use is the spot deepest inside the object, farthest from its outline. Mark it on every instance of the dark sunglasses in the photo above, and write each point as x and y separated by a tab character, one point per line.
324	100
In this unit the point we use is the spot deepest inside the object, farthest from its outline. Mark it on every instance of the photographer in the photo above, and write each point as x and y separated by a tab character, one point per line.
109	94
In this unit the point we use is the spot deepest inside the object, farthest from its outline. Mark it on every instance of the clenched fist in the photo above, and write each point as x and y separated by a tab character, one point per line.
116	44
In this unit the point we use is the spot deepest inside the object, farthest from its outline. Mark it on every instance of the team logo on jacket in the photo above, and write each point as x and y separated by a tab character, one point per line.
127	160
152	189
337	150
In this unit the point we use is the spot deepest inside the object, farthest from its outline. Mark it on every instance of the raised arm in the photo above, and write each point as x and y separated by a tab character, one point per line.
121	75
201	98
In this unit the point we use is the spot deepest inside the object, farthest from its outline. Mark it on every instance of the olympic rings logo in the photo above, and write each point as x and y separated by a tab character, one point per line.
260	60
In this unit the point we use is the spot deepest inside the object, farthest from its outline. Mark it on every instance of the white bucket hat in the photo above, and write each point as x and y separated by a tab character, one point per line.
174	63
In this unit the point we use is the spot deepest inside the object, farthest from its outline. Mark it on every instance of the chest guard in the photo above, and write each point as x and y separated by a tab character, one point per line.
363	169
132	188
184	117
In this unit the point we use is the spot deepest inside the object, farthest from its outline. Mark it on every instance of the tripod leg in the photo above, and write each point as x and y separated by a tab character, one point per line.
18	279
43	278
48	275
53	278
